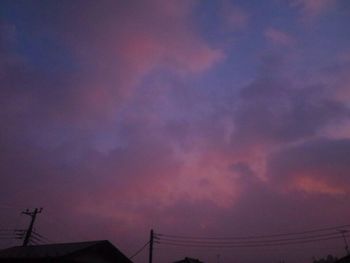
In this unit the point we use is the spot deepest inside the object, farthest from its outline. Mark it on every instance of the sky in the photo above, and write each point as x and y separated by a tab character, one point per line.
191	117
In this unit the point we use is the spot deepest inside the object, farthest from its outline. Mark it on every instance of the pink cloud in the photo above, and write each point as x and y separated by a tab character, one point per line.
314	167
279	37
197	178
310	9
162	36
183	51
312	185
117	51
194	60
234	17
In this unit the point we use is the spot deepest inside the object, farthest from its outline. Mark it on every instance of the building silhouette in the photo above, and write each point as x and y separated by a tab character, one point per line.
82	252
188	260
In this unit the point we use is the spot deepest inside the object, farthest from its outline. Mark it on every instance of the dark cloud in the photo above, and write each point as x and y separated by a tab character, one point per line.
317	166
274	109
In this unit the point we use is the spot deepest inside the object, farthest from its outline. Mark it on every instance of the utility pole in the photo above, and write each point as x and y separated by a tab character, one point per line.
30	228
151	246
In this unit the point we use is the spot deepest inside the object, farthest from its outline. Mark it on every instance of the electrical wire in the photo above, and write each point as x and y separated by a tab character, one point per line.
283	239
245	241
139	251
35	238
33	242
245	245
256	236
42	237
7	233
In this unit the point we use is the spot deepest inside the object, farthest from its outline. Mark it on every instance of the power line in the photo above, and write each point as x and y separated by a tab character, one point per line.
33	215
243	245
245	241
8	233
34	242
42	237
19	233
29	236
6	238
139	251
282	239
35	238
257	236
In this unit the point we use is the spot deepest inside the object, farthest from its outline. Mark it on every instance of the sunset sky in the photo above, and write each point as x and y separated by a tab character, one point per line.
191	117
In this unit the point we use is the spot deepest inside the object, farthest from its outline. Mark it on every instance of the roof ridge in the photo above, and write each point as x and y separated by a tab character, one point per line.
55	250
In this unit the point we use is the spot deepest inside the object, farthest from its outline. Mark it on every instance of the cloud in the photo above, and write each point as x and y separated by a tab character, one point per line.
273	109
233	16
114	121
108	62
314	167
53	113
278	37
311	9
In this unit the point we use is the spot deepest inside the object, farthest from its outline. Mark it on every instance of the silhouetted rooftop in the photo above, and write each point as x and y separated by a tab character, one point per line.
189	260
345	259
101	248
